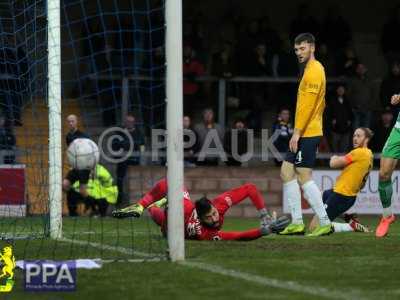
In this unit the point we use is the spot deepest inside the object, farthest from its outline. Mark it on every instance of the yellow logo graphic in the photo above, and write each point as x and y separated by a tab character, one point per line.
7	270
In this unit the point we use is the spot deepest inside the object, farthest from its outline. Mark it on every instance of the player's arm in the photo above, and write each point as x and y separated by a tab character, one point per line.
338	162
395	99
247	235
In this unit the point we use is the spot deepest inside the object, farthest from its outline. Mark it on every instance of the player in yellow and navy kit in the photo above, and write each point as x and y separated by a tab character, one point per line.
356	167
297	168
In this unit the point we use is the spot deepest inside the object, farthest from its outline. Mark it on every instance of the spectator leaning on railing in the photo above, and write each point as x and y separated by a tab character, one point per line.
390	86
189	160
135	142
285	129
339	117
192	68
382	130
361	97
205	128
240	148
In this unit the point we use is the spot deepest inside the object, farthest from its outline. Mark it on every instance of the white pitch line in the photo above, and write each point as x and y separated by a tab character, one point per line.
262	280
120	249
276	283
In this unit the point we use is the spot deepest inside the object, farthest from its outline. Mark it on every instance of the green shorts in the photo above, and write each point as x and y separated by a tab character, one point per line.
392	145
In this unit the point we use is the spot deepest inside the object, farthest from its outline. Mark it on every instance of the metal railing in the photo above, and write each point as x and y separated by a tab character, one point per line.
222	87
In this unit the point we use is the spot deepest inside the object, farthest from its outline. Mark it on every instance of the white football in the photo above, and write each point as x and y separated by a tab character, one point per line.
83	154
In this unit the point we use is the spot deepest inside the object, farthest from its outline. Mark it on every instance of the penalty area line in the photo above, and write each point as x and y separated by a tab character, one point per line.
119	249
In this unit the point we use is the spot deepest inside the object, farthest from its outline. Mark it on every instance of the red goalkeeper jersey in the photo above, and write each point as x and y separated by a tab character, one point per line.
194	229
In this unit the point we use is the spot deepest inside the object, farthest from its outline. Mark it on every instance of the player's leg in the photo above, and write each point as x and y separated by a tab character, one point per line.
83	178
292	194
121	173
387	166
158	215
313	195
102	206
305	161
158	191
315	222
73	197
336	205
390	156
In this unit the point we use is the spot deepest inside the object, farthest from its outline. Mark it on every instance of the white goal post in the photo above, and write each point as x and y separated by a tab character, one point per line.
54	103
173	20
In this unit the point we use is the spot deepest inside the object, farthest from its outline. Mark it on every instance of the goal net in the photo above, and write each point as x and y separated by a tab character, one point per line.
112	78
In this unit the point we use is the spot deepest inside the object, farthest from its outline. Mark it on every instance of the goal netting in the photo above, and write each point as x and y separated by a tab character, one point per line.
112	66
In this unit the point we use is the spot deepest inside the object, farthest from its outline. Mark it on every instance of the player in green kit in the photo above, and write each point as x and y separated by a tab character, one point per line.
389	158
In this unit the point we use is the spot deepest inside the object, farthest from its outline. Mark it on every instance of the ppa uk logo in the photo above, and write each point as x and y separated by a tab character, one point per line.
44	275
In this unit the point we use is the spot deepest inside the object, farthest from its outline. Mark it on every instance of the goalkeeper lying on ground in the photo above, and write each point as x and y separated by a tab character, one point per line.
204	218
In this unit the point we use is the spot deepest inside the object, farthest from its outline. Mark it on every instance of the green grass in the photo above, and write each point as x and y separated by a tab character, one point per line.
353	264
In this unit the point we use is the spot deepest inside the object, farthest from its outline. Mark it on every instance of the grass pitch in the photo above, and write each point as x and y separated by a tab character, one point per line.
340	266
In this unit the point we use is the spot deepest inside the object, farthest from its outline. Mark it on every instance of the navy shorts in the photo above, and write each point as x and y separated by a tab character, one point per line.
306	153
336	204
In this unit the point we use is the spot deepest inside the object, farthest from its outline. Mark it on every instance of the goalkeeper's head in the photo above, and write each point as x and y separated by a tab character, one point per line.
207	213
304	47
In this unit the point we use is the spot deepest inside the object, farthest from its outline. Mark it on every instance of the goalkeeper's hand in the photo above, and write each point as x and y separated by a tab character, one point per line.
275	226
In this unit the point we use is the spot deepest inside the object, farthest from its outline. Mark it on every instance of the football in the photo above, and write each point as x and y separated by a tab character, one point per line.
83	154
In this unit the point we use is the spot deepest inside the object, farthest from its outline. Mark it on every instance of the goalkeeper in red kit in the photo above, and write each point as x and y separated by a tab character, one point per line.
204	218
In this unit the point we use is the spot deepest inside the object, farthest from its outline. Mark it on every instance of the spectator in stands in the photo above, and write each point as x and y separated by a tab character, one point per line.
189	133
7	142
339	116
194	33
211	129
192	68
285	128
304	22
260	62
131	145
389	42
390	86
74	175
269	35
14	81
223	63
284	62
240	148
336	31
382	130
74	132
347	62
247	42
327	60
361	97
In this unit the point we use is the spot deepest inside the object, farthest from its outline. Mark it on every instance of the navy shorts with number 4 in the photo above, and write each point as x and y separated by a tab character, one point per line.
306	153
336	204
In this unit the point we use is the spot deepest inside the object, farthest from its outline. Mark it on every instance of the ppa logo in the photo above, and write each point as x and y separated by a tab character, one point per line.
7	262
44	275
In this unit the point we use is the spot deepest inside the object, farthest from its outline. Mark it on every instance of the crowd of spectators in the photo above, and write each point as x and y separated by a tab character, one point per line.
240	47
